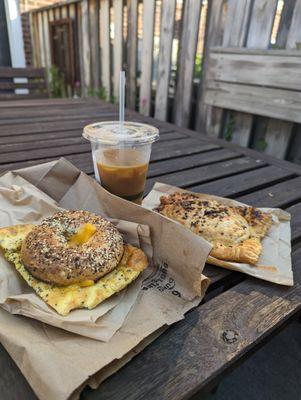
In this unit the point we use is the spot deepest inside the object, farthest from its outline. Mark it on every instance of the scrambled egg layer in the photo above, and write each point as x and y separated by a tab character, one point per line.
83	295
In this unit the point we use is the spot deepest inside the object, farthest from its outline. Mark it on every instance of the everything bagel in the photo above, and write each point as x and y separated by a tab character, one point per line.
48	255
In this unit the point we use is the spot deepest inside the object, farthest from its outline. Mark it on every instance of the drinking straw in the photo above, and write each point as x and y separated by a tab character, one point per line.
121	98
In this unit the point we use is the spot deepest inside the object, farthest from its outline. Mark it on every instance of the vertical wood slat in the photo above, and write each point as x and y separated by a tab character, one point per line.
189	38
213	37
166	36
294	33
235	34
147	56
105	46
86	46
259	34
131	85
285	22
80	46
57	13
33	39
64	12
94	40
118	44
47	40
41	39
279	133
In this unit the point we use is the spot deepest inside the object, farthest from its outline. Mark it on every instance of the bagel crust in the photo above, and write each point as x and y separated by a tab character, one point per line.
47	255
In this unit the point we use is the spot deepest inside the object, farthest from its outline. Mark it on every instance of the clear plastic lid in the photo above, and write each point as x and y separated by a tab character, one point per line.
111	133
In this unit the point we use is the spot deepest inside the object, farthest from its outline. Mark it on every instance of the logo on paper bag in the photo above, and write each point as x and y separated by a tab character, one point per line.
161	281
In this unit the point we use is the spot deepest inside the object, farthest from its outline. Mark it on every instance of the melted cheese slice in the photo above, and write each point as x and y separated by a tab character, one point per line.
85	295
83	235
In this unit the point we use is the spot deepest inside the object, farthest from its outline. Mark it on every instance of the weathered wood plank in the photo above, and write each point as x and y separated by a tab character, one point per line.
195	160
131	79
189	37
33	40
179	363
41	39
285	22
118	44
94	43
164	65
206	115
105	58
240	184
264	69
280	195
80	45
274	103
195	176
236	25
47	40
261	23
294	33
147	56
86	47
278	137
64	12
9	72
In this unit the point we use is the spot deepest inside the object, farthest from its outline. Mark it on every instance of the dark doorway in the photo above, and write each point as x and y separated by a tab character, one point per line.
62	54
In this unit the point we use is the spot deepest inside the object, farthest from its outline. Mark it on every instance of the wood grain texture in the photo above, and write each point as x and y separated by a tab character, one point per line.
261	23
147	57
278	137
94	43
41	39
164	65
213	37
285	22
179	363
105	47
131	79
46	39
189	37
274	103
118	44
86	52
294	33
266	69
236	25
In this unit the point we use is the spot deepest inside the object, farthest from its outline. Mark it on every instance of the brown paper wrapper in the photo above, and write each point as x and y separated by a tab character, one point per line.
274	264
58	363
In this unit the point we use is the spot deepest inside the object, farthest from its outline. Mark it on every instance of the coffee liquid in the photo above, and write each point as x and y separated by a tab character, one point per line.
126	180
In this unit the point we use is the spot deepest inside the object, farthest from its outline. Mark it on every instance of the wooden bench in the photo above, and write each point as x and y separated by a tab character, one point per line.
260	82
27	83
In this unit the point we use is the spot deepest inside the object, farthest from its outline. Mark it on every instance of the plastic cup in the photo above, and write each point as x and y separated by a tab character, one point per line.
121	155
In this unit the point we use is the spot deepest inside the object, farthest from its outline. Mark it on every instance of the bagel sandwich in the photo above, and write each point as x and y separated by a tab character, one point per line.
73	259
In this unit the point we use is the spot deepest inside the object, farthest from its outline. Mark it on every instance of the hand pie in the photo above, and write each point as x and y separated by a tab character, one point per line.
235	232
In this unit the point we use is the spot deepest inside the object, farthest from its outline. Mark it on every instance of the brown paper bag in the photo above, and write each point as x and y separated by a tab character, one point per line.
57	363
21	202
274	264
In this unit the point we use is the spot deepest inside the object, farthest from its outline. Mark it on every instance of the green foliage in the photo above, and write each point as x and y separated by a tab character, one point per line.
261	144
229	127
56	82
198	66
101	93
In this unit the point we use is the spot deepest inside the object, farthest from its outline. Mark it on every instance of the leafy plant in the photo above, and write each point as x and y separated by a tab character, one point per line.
101	93
198	66
56	82
229	127
261	144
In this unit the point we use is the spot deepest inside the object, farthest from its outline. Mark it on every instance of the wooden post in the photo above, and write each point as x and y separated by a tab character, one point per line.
105	46
94	40
47	41
41	39
206	115
86	47
189	38
131	86
147	56
166	36
118	43
279	133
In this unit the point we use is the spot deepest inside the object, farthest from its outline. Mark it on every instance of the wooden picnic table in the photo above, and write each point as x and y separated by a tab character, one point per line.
239	314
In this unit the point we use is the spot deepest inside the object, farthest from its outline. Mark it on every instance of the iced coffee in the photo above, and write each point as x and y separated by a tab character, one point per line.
121	156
